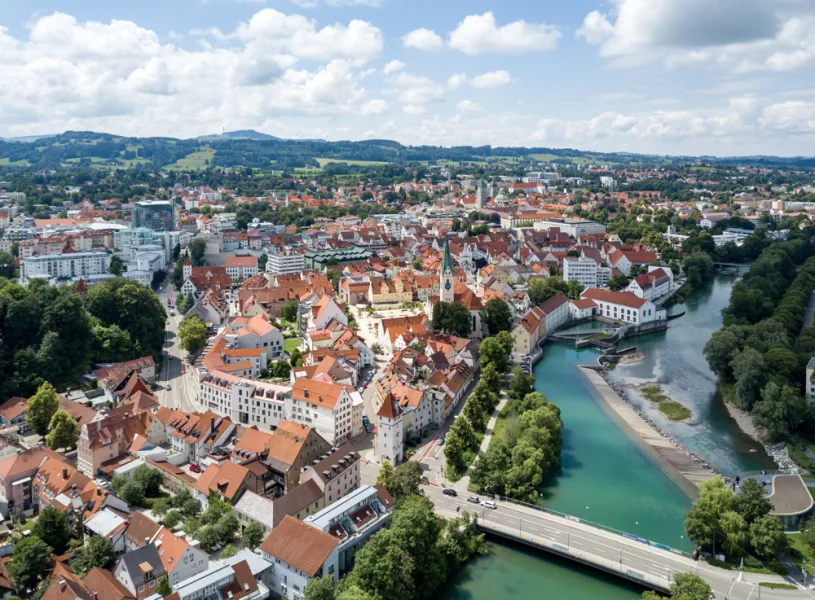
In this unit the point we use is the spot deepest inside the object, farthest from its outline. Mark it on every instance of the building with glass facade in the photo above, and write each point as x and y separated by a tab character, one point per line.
157	215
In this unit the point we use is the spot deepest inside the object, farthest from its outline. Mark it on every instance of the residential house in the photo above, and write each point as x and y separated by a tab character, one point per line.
140	571
335	474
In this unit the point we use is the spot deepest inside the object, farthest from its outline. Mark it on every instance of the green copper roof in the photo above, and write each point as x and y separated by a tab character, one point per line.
447	262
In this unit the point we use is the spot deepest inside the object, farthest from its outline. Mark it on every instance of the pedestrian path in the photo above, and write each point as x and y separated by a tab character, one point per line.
463	483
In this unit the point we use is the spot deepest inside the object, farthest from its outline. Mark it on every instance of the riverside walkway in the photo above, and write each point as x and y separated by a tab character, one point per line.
624	555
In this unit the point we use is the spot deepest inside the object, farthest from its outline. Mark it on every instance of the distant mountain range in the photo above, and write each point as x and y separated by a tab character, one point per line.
250	148
243	134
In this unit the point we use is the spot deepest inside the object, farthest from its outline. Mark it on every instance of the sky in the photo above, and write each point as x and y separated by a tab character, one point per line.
691	77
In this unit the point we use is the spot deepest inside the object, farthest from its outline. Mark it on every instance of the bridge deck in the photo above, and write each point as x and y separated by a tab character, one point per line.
631	557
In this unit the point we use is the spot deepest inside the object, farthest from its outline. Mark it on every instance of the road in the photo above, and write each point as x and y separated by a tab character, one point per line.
606	550
181	393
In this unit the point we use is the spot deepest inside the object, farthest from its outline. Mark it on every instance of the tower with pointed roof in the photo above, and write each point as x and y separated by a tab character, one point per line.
447	285
187	267
481	194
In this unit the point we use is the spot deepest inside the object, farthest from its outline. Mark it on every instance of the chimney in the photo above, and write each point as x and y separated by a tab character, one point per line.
65	473
62	585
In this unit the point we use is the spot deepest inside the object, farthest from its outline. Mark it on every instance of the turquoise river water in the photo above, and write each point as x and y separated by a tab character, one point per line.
607	477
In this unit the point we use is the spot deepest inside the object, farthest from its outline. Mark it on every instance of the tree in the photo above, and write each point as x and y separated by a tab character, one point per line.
190	508
385	474
229	551
209	537
406	480
161	507
497	316
541	289
193	334
227	527
176	252
474	413
751	502
132	492
288	311
492	352
520	384
117	266
253	535
767	537
150	480
64	431
780	411
320	588
41	408
808	532
751	375
98	552
171	519
353	592
452	317
618	282
6	265
715	499
734	532
721	348
164	588
54	527
31	562
574	289
687	586
111	344
197	249
264	258
383	568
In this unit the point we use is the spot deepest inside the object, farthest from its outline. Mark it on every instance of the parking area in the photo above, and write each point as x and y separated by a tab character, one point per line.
188	469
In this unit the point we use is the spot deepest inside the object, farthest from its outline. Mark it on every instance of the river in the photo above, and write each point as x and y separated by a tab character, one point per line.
606	475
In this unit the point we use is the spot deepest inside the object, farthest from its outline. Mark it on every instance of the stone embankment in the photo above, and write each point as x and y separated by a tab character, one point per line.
778	452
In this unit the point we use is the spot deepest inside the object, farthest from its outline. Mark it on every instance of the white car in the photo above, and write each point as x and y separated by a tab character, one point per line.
488	504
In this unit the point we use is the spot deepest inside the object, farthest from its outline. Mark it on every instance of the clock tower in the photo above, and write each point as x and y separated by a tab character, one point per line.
447	288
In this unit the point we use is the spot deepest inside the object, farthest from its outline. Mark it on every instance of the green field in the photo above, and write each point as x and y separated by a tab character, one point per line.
17	163
363	163
195	160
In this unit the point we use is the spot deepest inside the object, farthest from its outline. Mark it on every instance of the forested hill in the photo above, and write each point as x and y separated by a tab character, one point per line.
251	149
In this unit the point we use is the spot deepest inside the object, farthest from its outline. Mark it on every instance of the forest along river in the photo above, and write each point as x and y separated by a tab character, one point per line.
606	476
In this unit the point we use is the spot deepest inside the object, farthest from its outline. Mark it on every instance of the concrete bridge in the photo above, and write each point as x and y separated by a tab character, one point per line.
621	554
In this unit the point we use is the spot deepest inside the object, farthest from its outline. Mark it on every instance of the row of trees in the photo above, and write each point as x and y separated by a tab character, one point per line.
759	350
464	437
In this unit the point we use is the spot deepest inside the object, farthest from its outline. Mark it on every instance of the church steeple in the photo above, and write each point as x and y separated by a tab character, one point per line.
447	291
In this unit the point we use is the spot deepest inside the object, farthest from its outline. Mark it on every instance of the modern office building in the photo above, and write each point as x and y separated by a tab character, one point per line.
157	215
281	264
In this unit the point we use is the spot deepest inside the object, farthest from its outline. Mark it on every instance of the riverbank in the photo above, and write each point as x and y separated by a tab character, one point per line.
683	466
778	452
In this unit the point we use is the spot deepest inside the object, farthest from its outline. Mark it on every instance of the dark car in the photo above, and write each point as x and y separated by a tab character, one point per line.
474	499
450	492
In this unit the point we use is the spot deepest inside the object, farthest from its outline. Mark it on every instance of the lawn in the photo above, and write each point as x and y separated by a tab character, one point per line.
290	344
733	564
363	163
195	160
672	410
801	554
777	586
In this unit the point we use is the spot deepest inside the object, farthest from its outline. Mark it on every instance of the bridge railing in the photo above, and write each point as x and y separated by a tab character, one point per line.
574	519
621	566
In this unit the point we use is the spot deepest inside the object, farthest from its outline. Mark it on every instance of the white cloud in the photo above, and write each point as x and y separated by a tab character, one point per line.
479	34
120	77
414	109
393	66
423	39
374	107
492	79
415	90
739	35
468	106
314	3
456	81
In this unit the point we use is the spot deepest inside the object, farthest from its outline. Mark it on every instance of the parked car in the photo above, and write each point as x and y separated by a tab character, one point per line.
450	492
474	499
169	387
441	441
195	468
489	504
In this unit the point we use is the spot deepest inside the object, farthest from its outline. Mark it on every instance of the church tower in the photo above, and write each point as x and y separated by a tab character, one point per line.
447	289
481	195
187	268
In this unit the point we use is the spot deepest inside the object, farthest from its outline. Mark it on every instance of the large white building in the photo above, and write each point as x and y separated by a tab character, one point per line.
280	264
66	267
581	269
652	285
626	307
574	227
